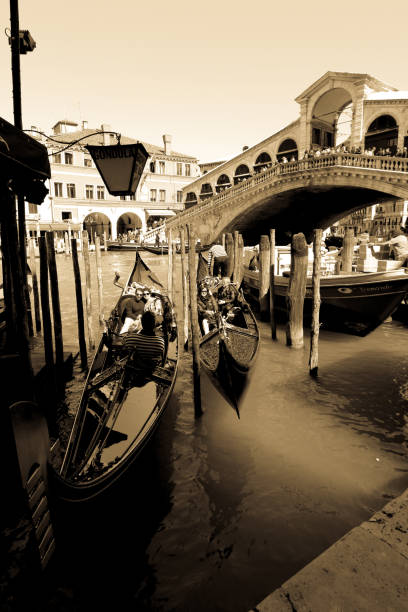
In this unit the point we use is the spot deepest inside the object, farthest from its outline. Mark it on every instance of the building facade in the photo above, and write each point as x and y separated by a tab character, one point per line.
79	199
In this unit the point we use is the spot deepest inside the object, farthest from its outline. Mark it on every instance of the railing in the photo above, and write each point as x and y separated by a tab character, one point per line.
150	236
355	160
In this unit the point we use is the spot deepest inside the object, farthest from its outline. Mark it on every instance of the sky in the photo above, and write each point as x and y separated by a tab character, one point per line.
217	76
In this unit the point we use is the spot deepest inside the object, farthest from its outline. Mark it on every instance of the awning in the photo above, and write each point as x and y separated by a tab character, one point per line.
160	213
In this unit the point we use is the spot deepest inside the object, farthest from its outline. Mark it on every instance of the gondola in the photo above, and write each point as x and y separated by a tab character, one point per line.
228	351
120	409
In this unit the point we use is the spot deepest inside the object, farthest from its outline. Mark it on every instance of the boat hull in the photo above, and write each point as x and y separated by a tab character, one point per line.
119	412
355	303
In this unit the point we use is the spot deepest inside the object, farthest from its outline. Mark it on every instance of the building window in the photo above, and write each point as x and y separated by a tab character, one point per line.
71	193
87	162
179	196
162	167
153	195
316	136
123	197
101	192
89	192
162	195
57	158
132	196
32	209
188	170
152	167
68	158
58	190
179	169
66	215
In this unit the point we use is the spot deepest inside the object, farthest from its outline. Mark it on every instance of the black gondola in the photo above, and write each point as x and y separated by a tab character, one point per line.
228	351
120	408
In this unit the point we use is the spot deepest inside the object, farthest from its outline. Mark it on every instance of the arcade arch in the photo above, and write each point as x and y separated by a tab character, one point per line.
331	120
263	160
223	182
241	174
382	133
206	191
128	221
288	149
191	199
96	224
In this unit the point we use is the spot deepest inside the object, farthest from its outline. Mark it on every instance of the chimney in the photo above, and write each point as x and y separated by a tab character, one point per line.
245	148
84	125
167	144
105	127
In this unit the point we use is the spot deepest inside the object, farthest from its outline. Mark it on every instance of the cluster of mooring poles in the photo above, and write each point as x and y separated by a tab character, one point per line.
234	246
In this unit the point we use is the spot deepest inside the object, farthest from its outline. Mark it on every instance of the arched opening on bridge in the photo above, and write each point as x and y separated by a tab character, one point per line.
332	119
288	151
128	222
206	191
262	162
382	133
241	174
223	183
96	224
191	199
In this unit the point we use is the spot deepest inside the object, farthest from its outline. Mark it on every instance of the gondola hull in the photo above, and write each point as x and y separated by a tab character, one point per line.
120	409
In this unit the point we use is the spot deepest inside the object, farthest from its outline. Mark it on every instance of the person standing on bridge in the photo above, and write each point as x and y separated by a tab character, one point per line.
218	254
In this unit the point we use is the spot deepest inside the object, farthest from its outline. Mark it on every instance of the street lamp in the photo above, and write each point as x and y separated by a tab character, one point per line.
120	166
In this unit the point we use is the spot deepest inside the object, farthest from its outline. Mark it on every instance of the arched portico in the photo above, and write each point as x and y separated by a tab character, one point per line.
128	221
382	133
331	120
97	224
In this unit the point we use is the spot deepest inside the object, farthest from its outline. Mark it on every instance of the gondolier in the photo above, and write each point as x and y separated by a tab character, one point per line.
218	254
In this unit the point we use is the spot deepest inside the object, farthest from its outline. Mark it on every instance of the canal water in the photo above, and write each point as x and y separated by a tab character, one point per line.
220	511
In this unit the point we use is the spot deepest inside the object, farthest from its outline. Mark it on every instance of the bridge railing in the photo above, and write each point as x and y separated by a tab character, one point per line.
356	160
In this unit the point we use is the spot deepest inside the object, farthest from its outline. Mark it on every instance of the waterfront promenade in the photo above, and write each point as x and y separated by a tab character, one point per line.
366	570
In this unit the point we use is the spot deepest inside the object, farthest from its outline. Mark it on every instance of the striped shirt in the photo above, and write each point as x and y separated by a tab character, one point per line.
148	350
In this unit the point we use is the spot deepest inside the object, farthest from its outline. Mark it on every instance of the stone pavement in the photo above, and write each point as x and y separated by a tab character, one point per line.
365	571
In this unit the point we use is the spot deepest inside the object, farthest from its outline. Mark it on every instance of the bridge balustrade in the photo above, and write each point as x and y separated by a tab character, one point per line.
356	160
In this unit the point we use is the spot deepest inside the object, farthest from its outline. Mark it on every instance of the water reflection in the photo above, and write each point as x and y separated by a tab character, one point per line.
222	510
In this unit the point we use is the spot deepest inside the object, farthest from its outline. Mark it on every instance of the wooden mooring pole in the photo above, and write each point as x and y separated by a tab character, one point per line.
236	258
240	266
314	338
184	265
229	248
170	265
195	330
80	306
272	245
88	294
66	240
36	297
46	316
99	276
56	311
347	251
296	291
264	276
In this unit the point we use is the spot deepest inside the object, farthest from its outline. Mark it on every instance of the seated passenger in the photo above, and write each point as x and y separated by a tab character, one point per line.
207	308
146	348
228	299
154	304
133	308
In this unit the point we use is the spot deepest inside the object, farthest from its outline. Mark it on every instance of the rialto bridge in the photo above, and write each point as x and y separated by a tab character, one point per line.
344	152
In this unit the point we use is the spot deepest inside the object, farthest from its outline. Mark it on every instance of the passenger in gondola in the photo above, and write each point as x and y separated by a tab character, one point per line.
153	303
169	325
207	309
229	301
132	310
145	347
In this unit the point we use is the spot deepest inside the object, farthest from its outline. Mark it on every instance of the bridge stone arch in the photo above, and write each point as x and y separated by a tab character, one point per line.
191	199
242	172
263	160
299	196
